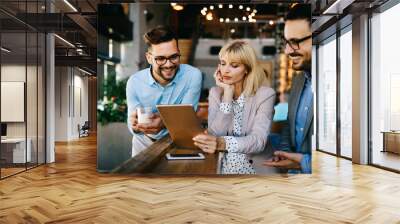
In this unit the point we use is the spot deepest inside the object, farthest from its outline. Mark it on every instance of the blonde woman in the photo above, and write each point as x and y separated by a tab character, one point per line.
240	109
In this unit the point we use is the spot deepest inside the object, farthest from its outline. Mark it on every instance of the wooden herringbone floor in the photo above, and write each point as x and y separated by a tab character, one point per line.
71	191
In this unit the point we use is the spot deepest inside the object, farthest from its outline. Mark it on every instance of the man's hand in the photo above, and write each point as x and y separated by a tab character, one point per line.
134	121
285	160
155	126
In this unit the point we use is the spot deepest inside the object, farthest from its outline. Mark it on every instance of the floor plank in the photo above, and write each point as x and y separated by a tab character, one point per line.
71	191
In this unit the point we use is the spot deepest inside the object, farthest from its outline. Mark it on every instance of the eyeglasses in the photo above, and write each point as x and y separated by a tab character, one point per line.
295	43
161	60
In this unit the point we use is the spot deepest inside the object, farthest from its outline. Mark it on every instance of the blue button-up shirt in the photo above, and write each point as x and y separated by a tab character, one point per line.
304	107
143	90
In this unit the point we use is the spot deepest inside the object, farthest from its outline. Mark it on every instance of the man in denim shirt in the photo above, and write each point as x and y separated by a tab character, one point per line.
295	152
166	81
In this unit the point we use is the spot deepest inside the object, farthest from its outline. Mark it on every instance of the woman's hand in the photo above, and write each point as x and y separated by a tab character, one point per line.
228	89
209	143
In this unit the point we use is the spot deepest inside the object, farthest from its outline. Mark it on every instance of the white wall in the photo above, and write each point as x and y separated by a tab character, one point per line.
70	83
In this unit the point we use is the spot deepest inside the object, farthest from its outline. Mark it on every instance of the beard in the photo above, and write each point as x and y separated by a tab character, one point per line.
300	62
167	73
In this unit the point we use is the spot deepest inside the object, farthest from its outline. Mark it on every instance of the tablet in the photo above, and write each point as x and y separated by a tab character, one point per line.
182	124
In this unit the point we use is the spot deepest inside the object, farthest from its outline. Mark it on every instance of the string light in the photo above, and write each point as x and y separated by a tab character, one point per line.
249	17
209	16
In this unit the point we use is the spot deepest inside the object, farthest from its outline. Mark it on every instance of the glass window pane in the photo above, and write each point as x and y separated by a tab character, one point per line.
346	94
327	96
385	83
13	86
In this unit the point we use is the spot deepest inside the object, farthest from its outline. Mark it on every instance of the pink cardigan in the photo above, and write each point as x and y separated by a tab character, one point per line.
257	119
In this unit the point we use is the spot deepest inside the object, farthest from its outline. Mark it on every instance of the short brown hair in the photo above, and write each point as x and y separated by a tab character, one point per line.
158	35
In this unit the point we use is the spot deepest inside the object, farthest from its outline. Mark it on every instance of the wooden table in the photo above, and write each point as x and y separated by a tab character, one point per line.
391	141
153	161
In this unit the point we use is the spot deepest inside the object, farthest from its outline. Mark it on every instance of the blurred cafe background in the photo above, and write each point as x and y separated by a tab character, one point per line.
202	30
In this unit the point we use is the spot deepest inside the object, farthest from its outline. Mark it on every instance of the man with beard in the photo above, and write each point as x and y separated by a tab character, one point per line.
295	152
166	81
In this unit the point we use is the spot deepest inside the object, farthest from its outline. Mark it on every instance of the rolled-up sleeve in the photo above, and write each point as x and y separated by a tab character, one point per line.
132	101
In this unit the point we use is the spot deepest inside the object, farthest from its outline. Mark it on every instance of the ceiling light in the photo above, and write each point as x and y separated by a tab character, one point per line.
177	7
227	20
221	20
232	30
70	5
211	7
338	6
240	6
205	9
230	6
220	6
244	18
5	50
84	71
271	22
248	9
236	19
255	10
65	41
173	4
203	13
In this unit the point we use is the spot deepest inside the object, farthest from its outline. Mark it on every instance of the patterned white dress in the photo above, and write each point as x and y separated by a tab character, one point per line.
234	162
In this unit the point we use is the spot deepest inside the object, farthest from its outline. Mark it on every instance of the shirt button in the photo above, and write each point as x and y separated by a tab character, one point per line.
301	129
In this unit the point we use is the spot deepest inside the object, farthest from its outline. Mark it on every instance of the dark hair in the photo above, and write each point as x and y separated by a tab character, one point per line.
299	11
158	35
